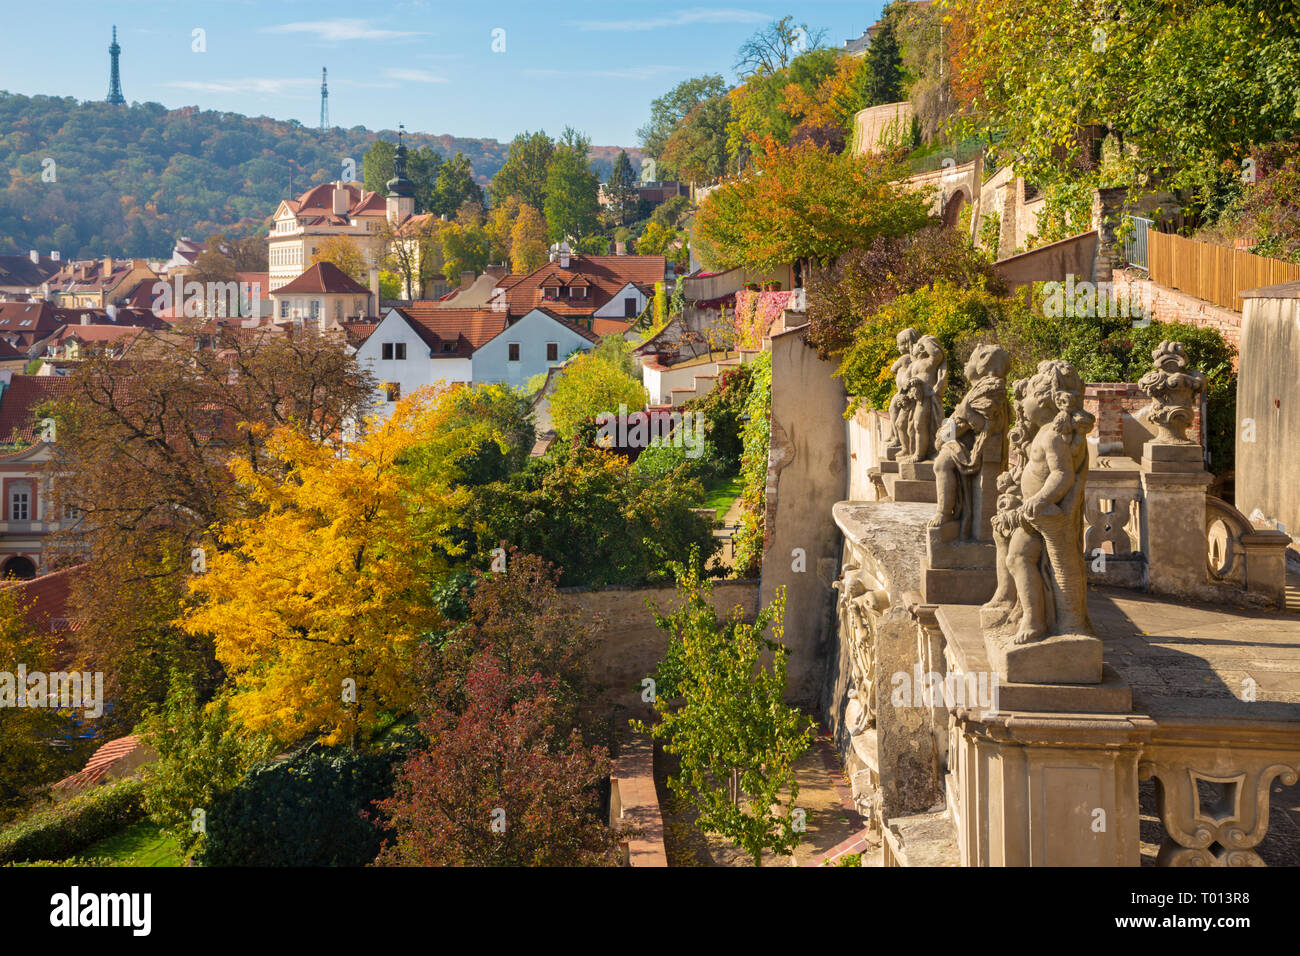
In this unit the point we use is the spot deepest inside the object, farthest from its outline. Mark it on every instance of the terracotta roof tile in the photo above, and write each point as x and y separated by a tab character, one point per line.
438	325
323	277
18	404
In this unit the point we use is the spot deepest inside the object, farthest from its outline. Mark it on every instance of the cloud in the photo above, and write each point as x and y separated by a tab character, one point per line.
622	73
342	30
681	18
415	76
262	86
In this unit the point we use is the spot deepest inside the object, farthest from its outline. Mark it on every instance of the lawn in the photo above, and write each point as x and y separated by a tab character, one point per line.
720	496
141	844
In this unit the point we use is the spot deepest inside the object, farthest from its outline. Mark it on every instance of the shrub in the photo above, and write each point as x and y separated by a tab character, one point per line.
755	439
722	409
60	831
311	810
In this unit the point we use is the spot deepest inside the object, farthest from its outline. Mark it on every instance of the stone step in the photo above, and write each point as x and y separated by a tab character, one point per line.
906	489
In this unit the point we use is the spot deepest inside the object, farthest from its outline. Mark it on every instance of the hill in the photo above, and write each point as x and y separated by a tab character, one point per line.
127	180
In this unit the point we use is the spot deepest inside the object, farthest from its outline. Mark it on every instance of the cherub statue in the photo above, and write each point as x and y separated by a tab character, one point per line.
1175	392
924	406
902	375
1043	532
980	416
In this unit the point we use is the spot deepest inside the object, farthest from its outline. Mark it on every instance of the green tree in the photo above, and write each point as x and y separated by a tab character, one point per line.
455	187
423	169
884	60
528	240
572	189
620	191
595	382
525	171
669	110
696	150
722	712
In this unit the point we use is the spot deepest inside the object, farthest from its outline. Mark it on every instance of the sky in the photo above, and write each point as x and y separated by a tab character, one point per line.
428	64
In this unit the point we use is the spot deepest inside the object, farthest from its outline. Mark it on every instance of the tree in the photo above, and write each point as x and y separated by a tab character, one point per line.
499	224
413	250
771	105
572	189
620	191
143	456
224	257
804	203
28	762
317	604
344	253
500	783
465	248
884	60
525	170
528	240
696	150
773	47
722	712
669	110
455	187
594	382
200	756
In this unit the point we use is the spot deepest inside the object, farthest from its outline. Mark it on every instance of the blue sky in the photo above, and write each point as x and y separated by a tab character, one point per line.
426	63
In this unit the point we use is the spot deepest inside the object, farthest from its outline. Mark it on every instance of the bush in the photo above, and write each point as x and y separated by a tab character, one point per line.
722	409
60	831
311	810
755	439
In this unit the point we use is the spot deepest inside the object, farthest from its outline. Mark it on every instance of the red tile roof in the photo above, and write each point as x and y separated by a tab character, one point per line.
109	762
28	317
467	329
319	200
323	277
19	401
601	276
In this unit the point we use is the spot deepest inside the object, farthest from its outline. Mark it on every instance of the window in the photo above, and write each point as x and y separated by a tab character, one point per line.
552	352
392	391
629	308
449	346
514	351
399	351
579	293
315	308
284	308
19	505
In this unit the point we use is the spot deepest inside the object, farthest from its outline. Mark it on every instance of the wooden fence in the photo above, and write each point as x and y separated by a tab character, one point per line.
1213	273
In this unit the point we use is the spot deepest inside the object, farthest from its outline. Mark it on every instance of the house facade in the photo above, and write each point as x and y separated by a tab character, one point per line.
529	347
326	211
324	296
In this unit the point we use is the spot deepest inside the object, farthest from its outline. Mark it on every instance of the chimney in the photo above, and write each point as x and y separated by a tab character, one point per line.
54	254
108	265
85	318
340	198
496	272
34	256
620	248
467	278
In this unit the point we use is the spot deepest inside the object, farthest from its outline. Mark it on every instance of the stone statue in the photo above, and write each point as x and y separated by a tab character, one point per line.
1038	529
902	375
1175	393
923	399
978	420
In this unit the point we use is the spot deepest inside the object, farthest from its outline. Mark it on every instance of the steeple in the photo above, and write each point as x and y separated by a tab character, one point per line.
401	191
115	77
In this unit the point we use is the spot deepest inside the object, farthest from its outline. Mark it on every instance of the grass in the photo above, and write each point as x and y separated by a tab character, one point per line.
721	495
141	844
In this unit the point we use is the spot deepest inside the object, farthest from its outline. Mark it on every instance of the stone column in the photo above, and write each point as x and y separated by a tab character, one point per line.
1107	207
1173	518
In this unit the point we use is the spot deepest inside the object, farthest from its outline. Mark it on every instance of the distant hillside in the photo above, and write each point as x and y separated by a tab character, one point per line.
128	180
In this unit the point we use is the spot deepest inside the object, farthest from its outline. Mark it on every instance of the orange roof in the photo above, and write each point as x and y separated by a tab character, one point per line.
323	277
467	329
18	403
601	276
124	753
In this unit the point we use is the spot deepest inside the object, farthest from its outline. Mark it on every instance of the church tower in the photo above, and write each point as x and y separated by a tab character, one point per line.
115	77
401	192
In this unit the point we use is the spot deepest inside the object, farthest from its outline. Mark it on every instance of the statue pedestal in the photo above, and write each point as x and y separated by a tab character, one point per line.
1060	659
1173	525
915	482
964	571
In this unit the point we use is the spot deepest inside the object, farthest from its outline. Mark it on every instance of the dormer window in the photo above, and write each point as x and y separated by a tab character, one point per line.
579	293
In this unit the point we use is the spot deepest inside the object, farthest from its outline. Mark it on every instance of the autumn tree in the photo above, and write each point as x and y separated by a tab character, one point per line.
528	249
722	713
224	257
667	111
804	203
501	783
413	251
143	456
344	253
316	604
595	381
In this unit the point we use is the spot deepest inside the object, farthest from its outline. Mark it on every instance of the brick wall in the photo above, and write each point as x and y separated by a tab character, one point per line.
1170	305
1118	431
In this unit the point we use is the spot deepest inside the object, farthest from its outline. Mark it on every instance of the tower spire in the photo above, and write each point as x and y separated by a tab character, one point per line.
115	77
324	101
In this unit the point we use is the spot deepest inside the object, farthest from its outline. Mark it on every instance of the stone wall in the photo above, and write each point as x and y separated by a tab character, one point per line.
877	123
1170	305
807	470
1121	429
631	645
868	430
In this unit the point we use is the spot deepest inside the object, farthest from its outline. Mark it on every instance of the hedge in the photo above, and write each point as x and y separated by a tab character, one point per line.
58	832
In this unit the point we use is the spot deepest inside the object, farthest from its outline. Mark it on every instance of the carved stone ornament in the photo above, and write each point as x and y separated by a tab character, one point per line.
1175	393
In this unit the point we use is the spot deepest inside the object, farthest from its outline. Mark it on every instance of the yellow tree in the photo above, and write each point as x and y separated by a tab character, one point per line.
344	253
316	606
527	240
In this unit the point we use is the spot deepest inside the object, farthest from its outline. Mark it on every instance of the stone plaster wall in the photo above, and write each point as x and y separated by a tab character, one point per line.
1170	305
807	474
